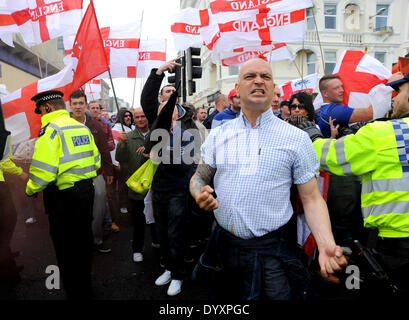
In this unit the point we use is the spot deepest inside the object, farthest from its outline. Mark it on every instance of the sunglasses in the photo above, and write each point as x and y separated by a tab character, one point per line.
299	106
127	116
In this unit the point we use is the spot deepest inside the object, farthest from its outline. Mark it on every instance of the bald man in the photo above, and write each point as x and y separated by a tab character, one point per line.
249	243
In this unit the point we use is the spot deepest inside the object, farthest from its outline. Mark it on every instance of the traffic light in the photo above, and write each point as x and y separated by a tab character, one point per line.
177	78
193	68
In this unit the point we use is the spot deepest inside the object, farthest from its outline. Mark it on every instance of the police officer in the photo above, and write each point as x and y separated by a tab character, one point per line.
64	162
379	152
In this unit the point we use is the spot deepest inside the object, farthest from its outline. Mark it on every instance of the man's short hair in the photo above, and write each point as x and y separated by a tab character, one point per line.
78	94
324	80
95	101
168	85
220	97
58	104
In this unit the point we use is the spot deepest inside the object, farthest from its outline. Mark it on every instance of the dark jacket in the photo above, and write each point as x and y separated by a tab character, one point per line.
102	145
150	102
126	153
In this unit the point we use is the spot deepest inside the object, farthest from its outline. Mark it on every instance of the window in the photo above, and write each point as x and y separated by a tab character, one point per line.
233	71
381	21
330	59
311	59
330	16
60	43
380	56
309	17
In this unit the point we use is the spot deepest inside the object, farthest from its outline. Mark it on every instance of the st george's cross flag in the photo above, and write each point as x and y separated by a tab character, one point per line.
7	24
306	84
41	20
363	79
93	90
186	27
18	108
152	54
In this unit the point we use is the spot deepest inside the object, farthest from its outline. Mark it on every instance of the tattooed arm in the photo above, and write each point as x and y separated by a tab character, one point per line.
200	189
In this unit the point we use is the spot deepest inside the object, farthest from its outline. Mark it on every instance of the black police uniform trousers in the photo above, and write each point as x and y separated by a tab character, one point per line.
70	217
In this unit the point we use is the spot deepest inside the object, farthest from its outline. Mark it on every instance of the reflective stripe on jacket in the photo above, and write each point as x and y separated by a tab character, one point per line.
379	152
64	153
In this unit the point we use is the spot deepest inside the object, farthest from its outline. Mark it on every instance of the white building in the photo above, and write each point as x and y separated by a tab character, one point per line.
379	27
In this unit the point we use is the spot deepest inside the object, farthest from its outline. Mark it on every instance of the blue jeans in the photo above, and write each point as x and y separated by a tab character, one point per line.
253	269
170	211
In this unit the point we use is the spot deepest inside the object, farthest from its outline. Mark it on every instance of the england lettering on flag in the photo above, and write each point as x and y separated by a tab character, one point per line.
18	108
278	6
121	45
186	28
306	84
262	29
41	20
363	79
152	54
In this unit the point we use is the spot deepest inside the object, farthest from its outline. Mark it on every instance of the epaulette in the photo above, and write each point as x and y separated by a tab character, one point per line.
42	131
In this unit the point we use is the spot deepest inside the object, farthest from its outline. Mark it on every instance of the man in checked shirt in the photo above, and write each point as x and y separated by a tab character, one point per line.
254	159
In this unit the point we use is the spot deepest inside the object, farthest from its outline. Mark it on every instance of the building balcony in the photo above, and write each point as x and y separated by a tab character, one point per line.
352	37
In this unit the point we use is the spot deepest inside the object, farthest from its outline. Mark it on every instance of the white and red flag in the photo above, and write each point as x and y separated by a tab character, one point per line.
18	108
122	49
277	51
93	89
363	79
41	20
7	24
306	84
186	28
261	29
223	6
152	54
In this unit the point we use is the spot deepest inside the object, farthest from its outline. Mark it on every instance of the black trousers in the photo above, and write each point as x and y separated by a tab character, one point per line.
139	225
9	273
344	206
70	216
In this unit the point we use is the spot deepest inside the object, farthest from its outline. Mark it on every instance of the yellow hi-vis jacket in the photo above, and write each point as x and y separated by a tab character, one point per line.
379	152
9	167
64	153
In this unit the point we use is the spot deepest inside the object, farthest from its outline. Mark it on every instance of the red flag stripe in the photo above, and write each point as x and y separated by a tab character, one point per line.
6	20
152	55
179	27
43	10
204	17
244	5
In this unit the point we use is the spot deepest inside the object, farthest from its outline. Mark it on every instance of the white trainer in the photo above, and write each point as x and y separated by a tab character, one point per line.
175	287
137	257
124	210
163	279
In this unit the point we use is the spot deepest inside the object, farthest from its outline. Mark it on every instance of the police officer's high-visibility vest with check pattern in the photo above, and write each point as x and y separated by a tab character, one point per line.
64	153
379	152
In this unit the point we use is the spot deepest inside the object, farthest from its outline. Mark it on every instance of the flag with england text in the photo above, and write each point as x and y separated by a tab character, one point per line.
306	84
121	45
261	29
186	27
363	78
41	20
223	6
152	54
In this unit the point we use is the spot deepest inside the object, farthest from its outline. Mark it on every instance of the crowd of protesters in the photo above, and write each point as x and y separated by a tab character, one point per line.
256	249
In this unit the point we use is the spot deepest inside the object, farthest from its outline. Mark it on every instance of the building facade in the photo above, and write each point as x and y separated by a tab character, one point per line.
379	27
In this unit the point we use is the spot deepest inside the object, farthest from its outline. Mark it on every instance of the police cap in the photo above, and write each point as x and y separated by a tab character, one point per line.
396	84
41	97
